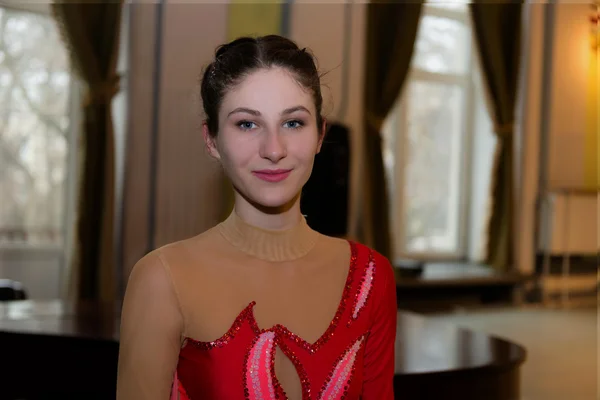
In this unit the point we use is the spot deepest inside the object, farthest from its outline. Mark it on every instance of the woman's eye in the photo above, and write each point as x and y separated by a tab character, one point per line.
294	124
246	125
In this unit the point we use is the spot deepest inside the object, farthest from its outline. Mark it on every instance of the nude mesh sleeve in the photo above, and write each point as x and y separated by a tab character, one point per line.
151	329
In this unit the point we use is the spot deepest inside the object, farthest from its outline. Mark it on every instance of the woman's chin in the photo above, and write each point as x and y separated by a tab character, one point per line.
274	201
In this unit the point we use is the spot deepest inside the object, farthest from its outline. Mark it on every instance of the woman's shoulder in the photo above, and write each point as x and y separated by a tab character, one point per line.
358	248
371	262
177	268
366	259
198	243
373	254
181	254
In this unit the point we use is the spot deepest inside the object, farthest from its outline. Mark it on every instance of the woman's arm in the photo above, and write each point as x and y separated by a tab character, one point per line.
151	329
380	345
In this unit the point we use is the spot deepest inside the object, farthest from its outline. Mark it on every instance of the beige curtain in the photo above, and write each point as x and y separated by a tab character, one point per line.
91	32
391	33
497	27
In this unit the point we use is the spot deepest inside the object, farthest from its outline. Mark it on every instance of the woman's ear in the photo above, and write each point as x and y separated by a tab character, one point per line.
322	133
210	141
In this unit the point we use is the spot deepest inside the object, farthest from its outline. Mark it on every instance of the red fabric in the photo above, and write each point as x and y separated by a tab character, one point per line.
353	359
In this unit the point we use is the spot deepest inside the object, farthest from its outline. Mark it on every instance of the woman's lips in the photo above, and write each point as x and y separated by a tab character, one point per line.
272	175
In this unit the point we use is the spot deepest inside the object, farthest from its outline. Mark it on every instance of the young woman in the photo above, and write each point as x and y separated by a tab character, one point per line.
260	306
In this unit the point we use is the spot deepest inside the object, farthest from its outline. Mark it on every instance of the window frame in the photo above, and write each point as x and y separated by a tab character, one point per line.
399	124
39	7
73	135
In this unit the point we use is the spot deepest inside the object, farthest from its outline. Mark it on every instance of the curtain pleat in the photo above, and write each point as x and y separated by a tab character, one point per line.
91	32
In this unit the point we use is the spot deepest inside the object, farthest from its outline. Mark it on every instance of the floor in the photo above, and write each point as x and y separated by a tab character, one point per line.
562	346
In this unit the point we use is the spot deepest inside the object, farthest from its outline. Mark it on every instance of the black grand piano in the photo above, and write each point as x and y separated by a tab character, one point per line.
53	349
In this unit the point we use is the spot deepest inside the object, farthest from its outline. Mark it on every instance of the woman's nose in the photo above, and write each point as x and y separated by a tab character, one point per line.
273	146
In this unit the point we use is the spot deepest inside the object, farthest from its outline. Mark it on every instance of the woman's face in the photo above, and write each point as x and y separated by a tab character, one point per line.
268	137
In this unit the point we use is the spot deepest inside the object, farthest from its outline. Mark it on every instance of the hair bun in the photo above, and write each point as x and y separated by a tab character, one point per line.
229	46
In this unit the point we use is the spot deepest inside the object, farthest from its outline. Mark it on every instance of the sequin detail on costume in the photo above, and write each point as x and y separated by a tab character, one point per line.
259	367
365	288
177	390
304	380
312	348
227	337
363	294
338	381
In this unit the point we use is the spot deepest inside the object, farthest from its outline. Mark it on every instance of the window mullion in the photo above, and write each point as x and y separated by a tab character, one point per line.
36	7
456	15
452	79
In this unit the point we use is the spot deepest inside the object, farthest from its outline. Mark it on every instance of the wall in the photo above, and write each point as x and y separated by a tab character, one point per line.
568	101
188	182
530	141
136	185
567	130
554	130
120	115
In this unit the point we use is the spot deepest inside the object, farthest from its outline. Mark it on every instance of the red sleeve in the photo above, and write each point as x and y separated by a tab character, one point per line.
380	345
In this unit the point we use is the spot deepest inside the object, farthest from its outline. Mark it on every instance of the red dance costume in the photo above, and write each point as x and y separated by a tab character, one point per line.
240	364
186	291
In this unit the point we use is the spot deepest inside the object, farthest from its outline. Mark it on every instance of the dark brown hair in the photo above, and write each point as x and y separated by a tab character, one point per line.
237	59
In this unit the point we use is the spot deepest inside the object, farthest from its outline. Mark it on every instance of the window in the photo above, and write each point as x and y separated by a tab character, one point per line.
37	105
428	138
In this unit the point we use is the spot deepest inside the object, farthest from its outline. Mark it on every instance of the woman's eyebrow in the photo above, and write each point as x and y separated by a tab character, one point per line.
245	110
294	109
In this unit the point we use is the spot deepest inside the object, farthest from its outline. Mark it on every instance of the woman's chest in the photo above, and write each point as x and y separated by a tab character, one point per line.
304	301
249	363
295	339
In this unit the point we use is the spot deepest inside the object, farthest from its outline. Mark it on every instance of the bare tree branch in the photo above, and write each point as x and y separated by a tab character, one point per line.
4	146
14	160
47	120
10	63
39	207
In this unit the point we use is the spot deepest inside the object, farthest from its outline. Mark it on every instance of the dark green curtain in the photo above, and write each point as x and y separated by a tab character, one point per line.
497	29
91	32
391	33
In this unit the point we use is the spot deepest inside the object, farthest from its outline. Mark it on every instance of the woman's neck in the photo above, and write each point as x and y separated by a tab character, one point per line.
283	236
282	218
